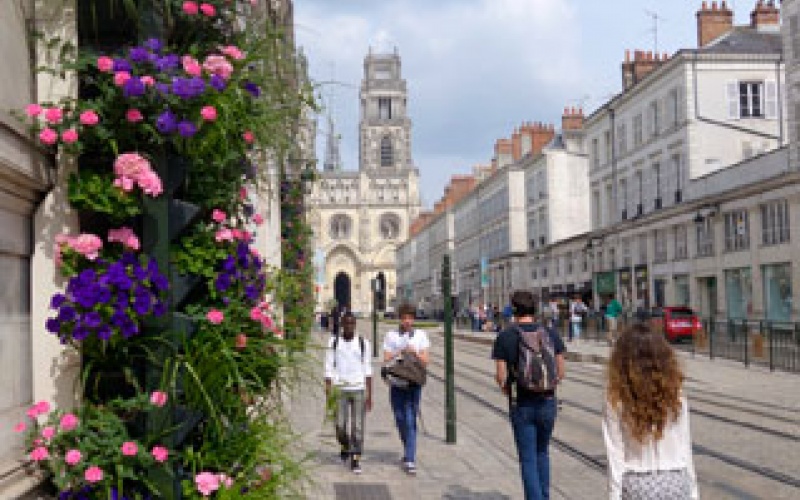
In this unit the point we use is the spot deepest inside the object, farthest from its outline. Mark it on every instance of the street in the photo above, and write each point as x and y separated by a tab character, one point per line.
745	432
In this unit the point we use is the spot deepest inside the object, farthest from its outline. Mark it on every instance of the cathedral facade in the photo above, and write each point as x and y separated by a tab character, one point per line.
360	217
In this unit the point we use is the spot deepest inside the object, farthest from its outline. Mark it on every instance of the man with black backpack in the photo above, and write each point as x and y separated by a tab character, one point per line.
348	368
529	361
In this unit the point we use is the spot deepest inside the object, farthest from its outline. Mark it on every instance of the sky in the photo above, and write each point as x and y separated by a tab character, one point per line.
475	69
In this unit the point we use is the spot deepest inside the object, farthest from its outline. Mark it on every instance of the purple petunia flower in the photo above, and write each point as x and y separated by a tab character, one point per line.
168	62
229	264
159	309
92	319
121	64
80	333
197	86
223	282
251	292
253	89
162	88
133	87
153	44
53	325
57	300
104	332
187	128
138	55
166	122
66	314
217	82
160	282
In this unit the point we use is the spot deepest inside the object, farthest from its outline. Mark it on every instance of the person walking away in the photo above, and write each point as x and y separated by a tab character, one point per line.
576	311
529	364
348	368
613	310
405	398
646	421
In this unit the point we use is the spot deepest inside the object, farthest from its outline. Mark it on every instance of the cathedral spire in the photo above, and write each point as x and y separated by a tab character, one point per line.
333	162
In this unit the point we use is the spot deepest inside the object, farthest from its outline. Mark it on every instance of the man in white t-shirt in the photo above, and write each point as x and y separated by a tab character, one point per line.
405	398
348	367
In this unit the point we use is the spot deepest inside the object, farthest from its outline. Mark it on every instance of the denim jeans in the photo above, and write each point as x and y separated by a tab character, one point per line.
350	417
575	330
533	423
405	405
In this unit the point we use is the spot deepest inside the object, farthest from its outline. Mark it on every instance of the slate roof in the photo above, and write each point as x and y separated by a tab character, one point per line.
745	40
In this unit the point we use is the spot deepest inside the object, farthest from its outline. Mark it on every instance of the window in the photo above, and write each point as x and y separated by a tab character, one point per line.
643	249
676	167
541	182
543	228
654	119
657	177
384	108
705	238
622	146
752	99
390	226
794	33
569	262
623	197
595	209
671	112
637	130
681	245
737	231
660	236
595	153
775	223
607	144
341	226
387	153
640	185
626	253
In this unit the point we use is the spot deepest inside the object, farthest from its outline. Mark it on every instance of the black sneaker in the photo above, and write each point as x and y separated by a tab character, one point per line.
355	465
344	455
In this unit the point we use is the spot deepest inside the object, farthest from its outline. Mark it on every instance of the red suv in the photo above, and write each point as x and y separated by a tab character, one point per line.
677	322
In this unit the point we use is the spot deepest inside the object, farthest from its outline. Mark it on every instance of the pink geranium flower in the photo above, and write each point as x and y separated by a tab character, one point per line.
68	422
248	137
209	113
89	118
224	234
150	183
129	449
207	483
39	453
134	115
69	136
226	480
158	398
190	8
255	314
243	193
126	236
215	316
218	215
258	219
72	457
159	453
93	474
42	407
105	64
48	136
148	80
218	65
87	245
120	77
33	110
20	427
191	66
208	10
53	115
233	52
48	432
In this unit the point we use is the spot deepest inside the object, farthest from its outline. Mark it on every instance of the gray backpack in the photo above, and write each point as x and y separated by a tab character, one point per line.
536	363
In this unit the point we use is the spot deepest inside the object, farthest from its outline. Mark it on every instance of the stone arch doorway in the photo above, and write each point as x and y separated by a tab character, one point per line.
341	290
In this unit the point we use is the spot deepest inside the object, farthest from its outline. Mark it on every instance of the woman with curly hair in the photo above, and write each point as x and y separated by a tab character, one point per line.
646	421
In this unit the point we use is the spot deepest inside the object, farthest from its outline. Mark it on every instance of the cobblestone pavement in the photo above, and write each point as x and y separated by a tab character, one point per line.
745	428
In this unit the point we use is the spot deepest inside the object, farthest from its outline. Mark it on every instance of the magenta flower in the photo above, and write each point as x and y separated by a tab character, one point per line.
191	66
215	316
126	236
218	215
68	422
69	136
105	64
129	449
225	479
248	137
48	432
224	234
233	52
48	136
42	407
86	244
150	183
53	115
39	453
134	115
258	219
217	65
121	77
89	118
208	10
207	483
190	8
72	457
209	113
93	474
33	110
159	453
158	398
148	80
256	314
20	427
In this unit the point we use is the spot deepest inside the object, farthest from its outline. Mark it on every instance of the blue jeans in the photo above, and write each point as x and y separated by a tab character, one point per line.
405	405
533	423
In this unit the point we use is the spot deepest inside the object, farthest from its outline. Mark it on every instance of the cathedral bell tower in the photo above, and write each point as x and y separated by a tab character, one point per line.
385	130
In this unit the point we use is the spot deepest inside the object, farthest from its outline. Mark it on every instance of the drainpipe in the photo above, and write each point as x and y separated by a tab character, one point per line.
614	163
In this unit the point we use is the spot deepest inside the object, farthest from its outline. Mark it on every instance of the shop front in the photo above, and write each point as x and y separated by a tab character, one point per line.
641	277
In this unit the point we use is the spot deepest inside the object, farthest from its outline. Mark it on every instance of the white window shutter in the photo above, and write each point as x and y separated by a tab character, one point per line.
770	99
733	101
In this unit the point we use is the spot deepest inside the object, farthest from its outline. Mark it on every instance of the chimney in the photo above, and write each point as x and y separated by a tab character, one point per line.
503	152
713	22
572	119
516	145
765	16
636	69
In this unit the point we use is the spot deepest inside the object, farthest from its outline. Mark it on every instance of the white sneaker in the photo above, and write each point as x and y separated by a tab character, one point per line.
410	468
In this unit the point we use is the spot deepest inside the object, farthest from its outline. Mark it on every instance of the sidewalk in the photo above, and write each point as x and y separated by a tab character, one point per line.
445	471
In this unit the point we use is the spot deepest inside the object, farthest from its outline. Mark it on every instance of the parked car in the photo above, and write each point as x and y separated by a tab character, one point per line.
676	322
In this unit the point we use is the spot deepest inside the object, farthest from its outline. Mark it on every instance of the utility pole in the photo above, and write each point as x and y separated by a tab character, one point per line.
375	284
449	386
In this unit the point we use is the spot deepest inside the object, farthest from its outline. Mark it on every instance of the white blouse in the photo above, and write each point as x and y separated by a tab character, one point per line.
672	452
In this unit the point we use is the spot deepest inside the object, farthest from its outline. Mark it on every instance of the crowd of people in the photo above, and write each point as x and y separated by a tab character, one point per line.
645	421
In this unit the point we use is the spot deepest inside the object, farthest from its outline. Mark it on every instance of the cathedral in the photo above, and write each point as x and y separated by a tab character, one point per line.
360	217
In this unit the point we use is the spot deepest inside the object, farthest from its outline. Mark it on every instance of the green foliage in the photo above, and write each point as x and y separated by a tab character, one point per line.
90	191
198	253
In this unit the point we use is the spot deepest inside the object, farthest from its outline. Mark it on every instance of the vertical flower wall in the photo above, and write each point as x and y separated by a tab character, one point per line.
168	302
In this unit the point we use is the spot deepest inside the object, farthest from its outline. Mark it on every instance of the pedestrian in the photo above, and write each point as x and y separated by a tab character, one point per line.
334	320
532	400
576	311
613	310
554	313
646	421
405	397
348	369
